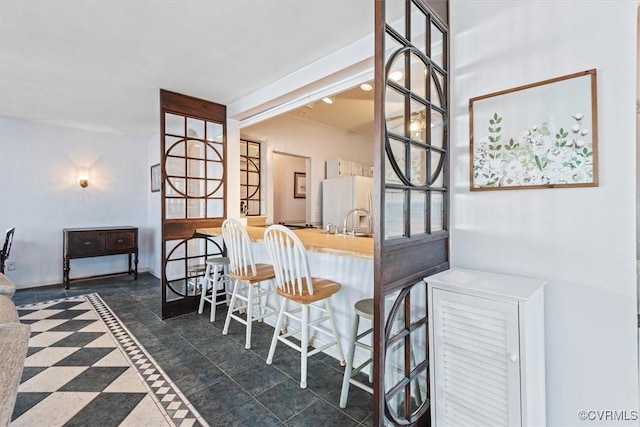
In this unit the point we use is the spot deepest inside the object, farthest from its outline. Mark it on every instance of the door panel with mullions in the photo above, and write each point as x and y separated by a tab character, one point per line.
193	149
250	165
411	180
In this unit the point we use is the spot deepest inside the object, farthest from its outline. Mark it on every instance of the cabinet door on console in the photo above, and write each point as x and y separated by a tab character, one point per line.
86	243
120	240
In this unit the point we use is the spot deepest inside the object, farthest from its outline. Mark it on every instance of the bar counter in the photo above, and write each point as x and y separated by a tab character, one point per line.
347	260
314	240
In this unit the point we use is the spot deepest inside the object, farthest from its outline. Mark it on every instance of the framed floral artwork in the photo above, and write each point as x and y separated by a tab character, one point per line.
541	135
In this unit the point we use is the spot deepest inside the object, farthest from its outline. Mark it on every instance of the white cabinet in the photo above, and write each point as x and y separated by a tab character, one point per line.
338	168
486	349
357	169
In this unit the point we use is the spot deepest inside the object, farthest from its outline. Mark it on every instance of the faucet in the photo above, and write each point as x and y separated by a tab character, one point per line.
349	213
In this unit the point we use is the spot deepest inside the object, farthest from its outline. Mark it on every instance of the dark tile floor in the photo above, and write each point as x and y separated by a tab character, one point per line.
228	385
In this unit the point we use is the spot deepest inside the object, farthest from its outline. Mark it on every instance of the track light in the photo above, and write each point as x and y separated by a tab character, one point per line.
396	76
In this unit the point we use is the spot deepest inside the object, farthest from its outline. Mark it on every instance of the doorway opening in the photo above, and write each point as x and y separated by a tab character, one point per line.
290	190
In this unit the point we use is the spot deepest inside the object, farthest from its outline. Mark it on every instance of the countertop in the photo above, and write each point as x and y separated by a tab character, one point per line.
314	240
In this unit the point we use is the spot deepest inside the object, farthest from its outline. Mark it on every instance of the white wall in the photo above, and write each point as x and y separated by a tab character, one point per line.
638	149
287	134
286	208
40	195
154	213
638	160
582	240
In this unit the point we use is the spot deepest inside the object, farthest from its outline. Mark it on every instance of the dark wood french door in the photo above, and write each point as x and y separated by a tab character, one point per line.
193	158
412	199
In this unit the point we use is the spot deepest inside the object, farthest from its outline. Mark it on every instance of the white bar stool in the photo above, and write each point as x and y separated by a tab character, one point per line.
364	309
216	274
296	285
195	276
247	279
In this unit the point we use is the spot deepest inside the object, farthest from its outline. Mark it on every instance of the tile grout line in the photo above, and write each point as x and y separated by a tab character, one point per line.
130	346
135	293
251	397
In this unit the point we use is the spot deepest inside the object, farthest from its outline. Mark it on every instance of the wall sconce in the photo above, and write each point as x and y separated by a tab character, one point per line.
83	177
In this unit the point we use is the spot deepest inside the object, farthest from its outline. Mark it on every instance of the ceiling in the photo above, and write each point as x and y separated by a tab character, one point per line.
99	65
351	112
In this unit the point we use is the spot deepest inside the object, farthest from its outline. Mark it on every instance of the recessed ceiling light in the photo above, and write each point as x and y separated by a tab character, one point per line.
396	76
366	87
328	99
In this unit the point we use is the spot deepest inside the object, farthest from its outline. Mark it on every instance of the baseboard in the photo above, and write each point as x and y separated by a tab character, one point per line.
58	282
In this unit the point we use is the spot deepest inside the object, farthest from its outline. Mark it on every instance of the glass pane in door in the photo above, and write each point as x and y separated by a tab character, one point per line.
174	124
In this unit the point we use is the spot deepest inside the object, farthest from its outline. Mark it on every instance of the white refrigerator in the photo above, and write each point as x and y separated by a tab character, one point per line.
340	195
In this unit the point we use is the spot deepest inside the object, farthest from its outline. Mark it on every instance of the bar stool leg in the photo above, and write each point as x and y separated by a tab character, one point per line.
336	336
304	345
214	294
278	328
228	285
349	366
260	303
250	302
227	321
416	385
205	287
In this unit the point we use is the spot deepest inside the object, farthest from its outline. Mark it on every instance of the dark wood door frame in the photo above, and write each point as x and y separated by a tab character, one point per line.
182	231
401	262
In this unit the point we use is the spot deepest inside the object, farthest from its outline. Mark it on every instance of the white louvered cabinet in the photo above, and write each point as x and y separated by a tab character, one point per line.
486	349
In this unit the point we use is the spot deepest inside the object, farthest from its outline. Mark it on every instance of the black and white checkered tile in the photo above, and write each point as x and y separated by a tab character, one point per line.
85	368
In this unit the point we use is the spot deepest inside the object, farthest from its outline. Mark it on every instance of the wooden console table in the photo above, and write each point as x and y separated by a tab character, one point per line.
100	241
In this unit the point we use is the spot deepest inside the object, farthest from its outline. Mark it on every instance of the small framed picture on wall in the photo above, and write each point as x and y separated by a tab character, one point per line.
299	185
155	178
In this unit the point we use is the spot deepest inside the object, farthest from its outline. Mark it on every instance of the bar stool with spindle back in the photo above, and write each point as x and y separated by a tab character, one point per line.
295	284
247	277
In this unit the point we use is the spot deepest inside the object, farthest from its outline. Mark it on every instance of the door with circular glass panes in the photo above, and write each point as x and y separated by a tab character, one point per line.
411	185
193	150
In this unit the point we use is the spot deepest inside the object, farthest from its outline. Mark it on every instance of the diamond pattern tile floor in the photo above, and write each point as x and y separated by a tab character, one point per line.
226	384
96	375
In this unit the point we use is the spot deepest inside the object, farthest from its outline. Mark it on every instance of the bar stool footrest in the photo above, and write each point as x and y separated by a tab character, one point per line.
361	385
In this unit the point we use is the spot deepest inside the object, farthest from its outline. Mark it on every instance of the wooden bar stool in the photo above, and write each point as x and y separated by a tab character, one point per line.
363	309
247	276
215	275
295	285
